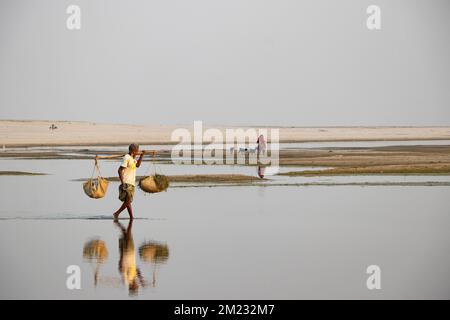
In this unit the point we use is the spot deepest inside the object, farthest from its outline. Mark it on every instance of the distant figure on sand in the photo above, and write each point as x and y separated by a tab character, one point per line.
127	176
261	144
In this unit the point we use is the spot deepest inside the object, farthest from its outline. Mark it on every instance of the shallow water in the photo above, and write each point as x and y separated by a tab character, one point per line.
319	144
286	242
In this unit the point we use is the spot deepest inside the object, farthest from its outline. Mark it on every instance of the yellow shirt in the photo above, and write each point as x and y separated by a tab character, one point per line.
129	174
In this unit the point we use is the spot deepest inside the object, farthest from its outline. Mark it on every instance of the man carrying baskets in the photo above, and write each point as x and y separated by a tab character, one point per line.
127	176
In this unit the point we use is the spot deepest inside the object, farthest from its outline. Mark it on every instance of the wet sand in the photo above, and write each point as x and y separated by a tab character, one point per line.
322	184
401	160
20	173
390	170
198	178
391	160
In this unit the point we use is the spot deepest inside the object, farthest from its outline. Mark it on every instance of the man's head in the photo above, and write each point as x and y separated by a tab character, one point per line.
133	149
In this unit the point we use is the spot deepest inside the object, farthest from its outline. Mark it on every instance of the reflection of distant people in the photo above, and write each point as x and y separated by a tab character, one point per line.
261	171
262	145
131	275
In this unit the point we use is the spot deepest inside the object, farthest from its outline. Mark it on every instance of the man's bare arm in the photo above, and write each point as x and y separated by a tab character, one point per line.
138	164
120	171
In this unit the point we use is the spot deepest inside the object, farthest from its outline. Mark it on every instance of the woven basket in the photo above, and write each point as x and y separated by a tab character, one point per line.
96	188
150	185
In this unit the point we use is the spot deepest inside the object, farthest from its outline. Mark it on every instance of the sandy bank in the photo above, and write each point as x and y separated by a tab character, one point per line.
72	133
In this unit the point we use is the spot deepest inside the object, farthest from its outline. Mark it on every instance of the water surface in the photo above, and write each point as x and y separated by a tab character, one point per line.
280	242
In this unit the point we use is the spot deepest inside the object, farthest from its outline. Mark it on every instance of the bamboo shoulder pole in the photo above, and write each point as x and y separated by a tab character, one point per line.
108	157
152	152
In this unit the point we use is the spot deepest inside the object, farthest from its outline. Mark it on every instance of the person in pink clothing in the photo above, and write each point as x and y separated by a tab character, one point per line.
261	144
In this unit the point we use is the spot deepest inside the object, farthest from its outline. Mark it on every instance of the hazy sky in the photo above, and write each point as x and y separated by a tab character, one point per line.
272	62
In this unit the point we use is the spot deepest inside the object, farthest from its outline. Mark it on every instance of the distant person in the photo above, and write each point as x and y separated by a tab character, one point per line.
127	176
262	145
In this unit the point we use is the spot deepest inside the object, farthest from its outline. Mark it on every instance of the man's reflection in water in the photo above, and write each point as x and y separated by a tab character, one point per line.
151	252
131	275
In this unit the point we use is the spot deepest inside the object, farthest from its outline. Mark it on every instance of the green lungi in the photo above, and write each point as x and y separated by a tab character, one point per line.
126	192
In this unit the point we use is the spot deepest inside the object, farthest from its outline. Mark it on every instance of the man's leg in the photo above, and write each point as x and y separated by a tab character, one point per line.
130	196
122	207
130	210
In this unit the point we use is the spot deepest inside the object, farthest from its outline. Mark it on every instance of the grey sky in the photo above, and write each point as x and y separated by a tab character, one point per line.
272	62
